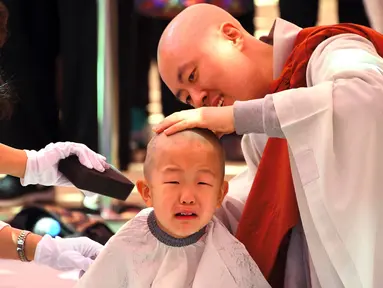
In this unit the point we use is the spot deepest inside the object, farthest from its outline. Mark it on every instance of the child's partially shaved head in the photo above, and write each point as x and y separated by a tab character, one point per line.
195	137
184	180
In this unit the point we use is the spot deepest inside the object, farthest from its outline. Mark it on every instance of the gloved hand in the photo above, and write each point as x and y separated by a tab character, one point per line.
66	254
42	165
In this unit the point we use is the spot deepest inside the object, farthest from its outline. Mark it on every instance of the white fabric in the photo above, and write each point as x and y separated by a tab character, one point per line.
3	224
284	36
135	258
67	254
334	132
42	165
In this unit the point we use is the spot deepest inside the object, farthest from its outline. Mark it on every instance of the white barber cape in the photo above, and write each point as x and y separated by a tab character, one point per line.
135	258
335	133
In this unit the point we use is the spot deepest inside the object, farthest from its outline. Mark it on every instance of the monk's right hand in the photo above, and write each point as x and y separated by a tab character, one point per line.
217	119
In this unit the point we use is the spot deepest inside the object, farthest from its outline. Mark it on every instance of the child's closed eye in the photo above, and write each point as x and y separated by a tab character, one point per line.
204	183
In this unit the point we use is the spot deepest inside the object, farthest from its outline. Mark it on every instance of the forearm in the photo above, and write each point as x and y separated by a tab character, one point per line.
8	244
12	161
257	116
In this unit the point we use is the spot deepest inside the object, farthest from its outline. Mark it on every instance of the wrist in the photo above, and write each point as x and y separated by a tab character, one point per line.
31	242
13	161
30	175
230	113
22	160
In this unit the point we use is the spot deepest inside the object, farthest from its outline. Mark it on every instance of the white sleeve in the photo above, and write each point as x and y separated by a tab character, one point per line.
345	57
348	69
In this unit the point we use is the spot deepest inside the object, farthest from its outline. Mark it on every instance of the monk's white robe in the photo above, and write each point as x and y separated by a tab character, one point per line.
334	129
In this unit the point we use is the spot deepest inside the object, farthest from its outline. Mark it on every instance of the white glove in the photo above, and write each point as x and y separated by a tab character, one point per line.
67	254
42	165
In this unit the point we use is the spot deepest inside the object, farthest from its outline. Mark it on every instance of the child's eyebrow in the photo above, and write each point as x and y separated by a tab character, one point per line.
177	169
172	169
208	171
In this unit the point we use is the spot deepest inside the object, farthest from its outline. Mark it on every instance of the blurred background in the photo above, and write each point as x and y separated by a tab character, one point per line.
85	71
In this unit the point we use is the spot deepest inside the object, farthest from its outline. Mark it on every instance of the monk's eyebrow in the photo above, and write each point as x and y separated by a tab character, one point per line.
181	71
178	95
179	75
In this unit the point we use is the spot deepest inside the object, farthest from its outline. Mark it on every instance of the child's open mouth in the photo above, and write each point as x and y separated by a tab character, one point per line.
185	215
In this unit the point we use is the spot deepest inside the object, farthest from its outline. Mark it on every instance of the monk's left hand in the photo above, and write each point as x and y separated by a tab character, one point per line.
220	120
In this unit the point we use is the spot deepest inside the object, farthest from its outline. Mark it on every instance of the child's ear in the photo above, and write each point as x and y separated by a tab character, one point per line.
223	192
143	189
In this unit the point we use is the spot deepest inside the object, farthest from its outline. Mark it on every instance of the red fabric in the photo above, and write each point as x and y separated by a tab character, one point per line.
271	209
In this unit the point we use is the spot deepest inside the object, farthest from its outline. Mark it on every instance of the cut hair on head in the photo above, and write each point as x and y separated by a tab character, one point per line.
204	134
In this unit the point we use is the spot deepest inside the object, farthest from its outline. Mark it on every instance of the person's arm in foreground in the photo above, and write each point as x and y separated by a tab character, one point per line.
61	254
41	167
8	243
12	161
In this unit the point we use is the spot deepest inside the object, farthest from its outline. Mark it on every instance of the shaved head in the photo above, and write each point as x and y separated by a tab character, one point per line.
206	56
197	20
195	137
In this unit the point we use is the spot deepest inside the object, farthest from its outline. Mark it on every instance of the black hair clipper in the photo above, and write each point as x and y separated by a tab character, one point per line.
111	182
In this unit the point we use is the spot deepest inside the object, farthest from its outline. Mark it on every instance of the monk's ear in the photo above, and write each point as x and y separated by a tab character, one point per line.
232	33
144	190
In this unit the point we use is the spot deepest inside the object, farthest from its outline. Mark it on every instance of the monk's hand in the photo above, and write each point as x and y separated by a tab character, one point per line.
220	120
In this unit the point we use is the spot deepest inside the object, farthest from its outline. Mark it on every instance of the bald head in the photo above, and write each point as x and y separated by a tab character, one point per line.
192	24
205	55
196	138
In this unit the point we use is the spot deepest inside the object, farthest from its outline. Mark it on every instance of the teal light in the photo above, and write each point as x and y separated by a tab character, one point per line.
100	65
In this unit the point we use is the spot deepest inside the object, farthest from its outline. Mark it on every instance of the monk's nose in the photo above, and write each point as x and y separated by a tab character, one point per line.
199	99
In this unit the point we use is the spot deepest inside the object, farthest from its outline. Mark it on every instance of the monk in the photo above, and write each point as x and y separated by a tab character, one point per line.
309	103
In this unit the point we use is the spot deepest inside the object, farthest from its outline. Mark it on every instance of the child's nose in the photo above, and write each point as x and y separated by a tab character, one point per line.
187	197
